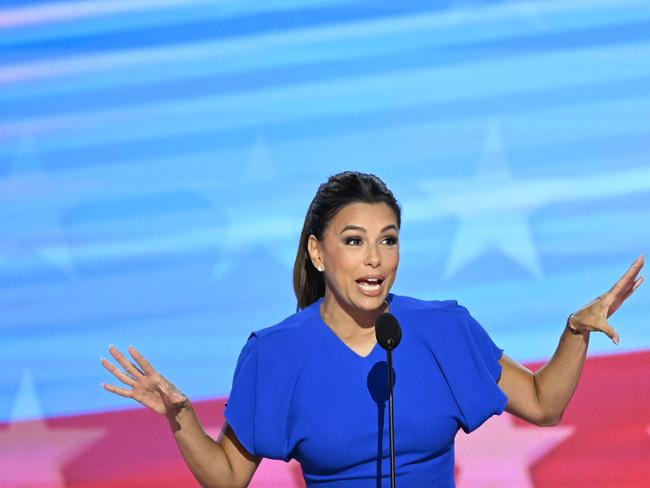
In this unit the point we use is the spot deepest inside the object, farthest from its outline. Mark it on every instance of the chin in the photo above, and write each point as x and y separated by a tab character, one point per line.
371	303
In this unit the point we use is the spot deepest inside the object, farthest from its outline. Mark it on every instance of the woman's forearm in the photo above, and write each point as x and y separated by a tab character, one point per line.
556	381
204	456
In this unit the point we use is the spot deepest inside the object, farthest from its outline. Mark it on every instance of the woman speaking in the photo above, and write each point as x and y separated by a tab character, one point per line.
313	387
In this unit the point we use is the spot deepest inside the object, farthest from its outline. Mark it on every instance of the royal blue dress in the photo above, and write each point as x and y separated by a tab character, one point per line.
299	392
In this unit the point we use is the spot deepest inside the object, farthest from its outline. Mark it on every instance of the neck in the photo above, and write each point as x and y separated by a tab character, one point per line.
349	321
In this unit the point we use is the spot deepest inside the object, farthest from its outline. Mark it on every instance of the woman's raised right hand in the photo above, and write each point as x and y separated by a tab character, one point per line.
147	385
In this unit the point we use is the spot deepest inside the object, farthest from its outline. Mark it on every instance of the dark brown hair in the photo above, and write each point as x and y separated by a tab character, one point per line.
338	191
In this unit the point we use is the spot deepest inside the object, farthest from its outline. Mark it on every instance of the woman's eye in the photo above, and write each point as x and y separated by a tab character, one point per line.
355	241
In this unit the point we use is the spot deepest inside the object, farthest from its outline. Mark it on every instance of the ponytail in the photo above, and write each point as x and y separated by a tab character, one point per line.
308	282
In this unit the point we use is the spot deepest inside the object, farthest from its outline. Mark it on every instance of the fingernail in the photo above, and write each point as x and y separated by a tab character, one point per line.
131	345
102	385
102	358
110	345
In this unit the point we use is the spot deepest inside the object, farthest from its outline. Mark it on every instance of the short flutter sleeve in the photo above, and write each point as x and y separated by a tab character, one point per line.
489	351
467	357
258	405
481	396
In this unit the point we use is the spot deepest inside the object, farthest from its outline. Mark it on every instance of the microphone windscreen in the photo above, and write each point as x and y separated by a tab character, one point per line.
388	331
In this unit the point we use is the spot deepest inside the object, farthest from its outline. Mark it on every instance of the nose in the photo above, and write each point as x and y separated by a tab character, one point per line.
372	256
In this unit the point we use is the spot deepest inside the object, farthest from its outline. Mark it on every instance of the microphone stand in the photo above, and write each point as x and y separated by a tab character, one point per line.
391	417
389	335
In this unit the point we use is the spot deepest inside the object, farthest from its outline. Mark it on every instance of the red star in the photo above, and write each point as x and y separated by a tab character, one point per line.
501	454
34	454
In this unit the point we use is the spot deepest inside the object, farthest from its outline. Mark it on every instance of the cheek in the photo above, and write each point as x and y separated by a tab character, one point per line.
341	261
348	263
391	259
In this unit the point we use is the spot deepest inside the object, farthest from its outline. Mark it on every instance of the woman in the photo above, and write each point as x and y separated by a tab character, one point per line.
313	386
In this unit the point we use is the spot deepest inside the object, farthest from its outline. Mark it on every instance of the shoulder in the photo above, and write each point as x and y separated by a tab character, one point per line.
441	315
279	349
296	328
444	317
419	306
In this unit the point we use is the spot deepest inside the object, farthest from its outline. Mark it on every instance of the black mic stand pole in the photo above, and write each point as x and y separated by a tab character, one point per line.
391	418
389	335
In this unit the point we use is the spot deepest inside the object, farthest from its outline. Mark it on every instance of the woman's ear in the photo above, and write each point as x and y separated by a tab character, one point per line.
315	252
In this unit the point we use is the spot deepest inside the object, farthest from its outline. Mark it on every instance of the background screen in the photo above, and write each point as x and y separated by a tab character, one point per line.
157	158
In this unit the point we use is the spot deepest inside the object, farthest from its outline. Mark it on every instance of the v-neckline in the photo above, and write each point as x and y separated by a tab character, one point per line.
337	339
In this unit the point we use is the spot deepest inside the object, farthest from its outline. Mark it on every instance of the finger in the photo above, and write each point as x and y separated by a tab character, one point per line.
142	362
124	362
616	302
117	372
634	285
633	288
628	276
117	390
610	332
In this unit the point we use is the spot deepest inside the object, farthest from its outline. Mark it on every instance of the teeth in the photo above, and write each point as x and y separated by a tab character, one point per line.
369	287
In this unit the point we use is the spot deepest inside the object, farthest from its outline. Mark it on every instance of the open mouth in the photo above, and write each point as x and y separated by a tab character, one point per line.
370	285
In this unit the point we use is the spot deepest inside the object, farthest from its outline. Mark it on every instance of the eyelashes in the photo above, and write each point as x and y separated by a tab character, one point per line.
352	241
391	241
356	241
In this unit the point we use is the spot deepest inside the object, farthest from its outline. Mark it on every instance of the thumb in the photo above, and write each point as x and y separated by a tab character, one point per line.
171	393
177	397
611	333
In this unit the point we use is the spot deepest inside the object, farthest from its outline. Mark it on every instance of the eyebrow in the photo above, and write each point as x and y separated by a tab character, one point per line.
356	227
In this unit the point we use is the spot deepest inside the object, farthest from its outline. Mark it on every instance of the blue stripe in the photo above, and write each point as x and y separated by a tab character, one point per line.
138	207
214	29
33	3
211	29
244	81
218	139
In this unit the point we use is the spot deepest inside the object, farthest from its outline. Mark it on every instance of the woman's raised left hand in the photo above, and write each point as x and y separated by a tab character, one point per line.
593	317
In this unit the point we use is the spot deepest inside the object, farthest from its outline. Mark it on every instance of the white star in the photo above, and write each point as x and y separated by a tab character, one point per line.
247	226
31	452
249	222
260	167
490	210
272	473
31	212
501	454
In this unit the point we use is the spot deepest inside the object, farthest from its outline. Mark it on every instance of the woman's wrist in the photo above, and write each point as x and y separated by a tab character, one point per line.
179	410
572	329
181	416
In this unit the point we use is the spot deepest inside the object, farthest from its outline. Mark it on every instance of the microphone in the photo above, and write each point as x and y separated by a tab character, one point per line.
388	331
389	335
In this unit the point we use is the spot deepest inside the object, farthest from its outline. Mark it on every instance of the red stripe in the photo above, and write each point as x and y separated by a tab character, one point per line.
610	447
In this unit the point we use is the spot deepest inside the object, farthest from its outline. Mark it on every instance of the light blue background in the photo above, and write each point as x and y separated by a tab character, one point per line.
157	159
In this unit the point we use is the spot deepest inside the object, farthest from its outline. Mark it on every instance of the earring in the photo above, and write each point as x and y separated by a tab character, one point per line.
319	269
